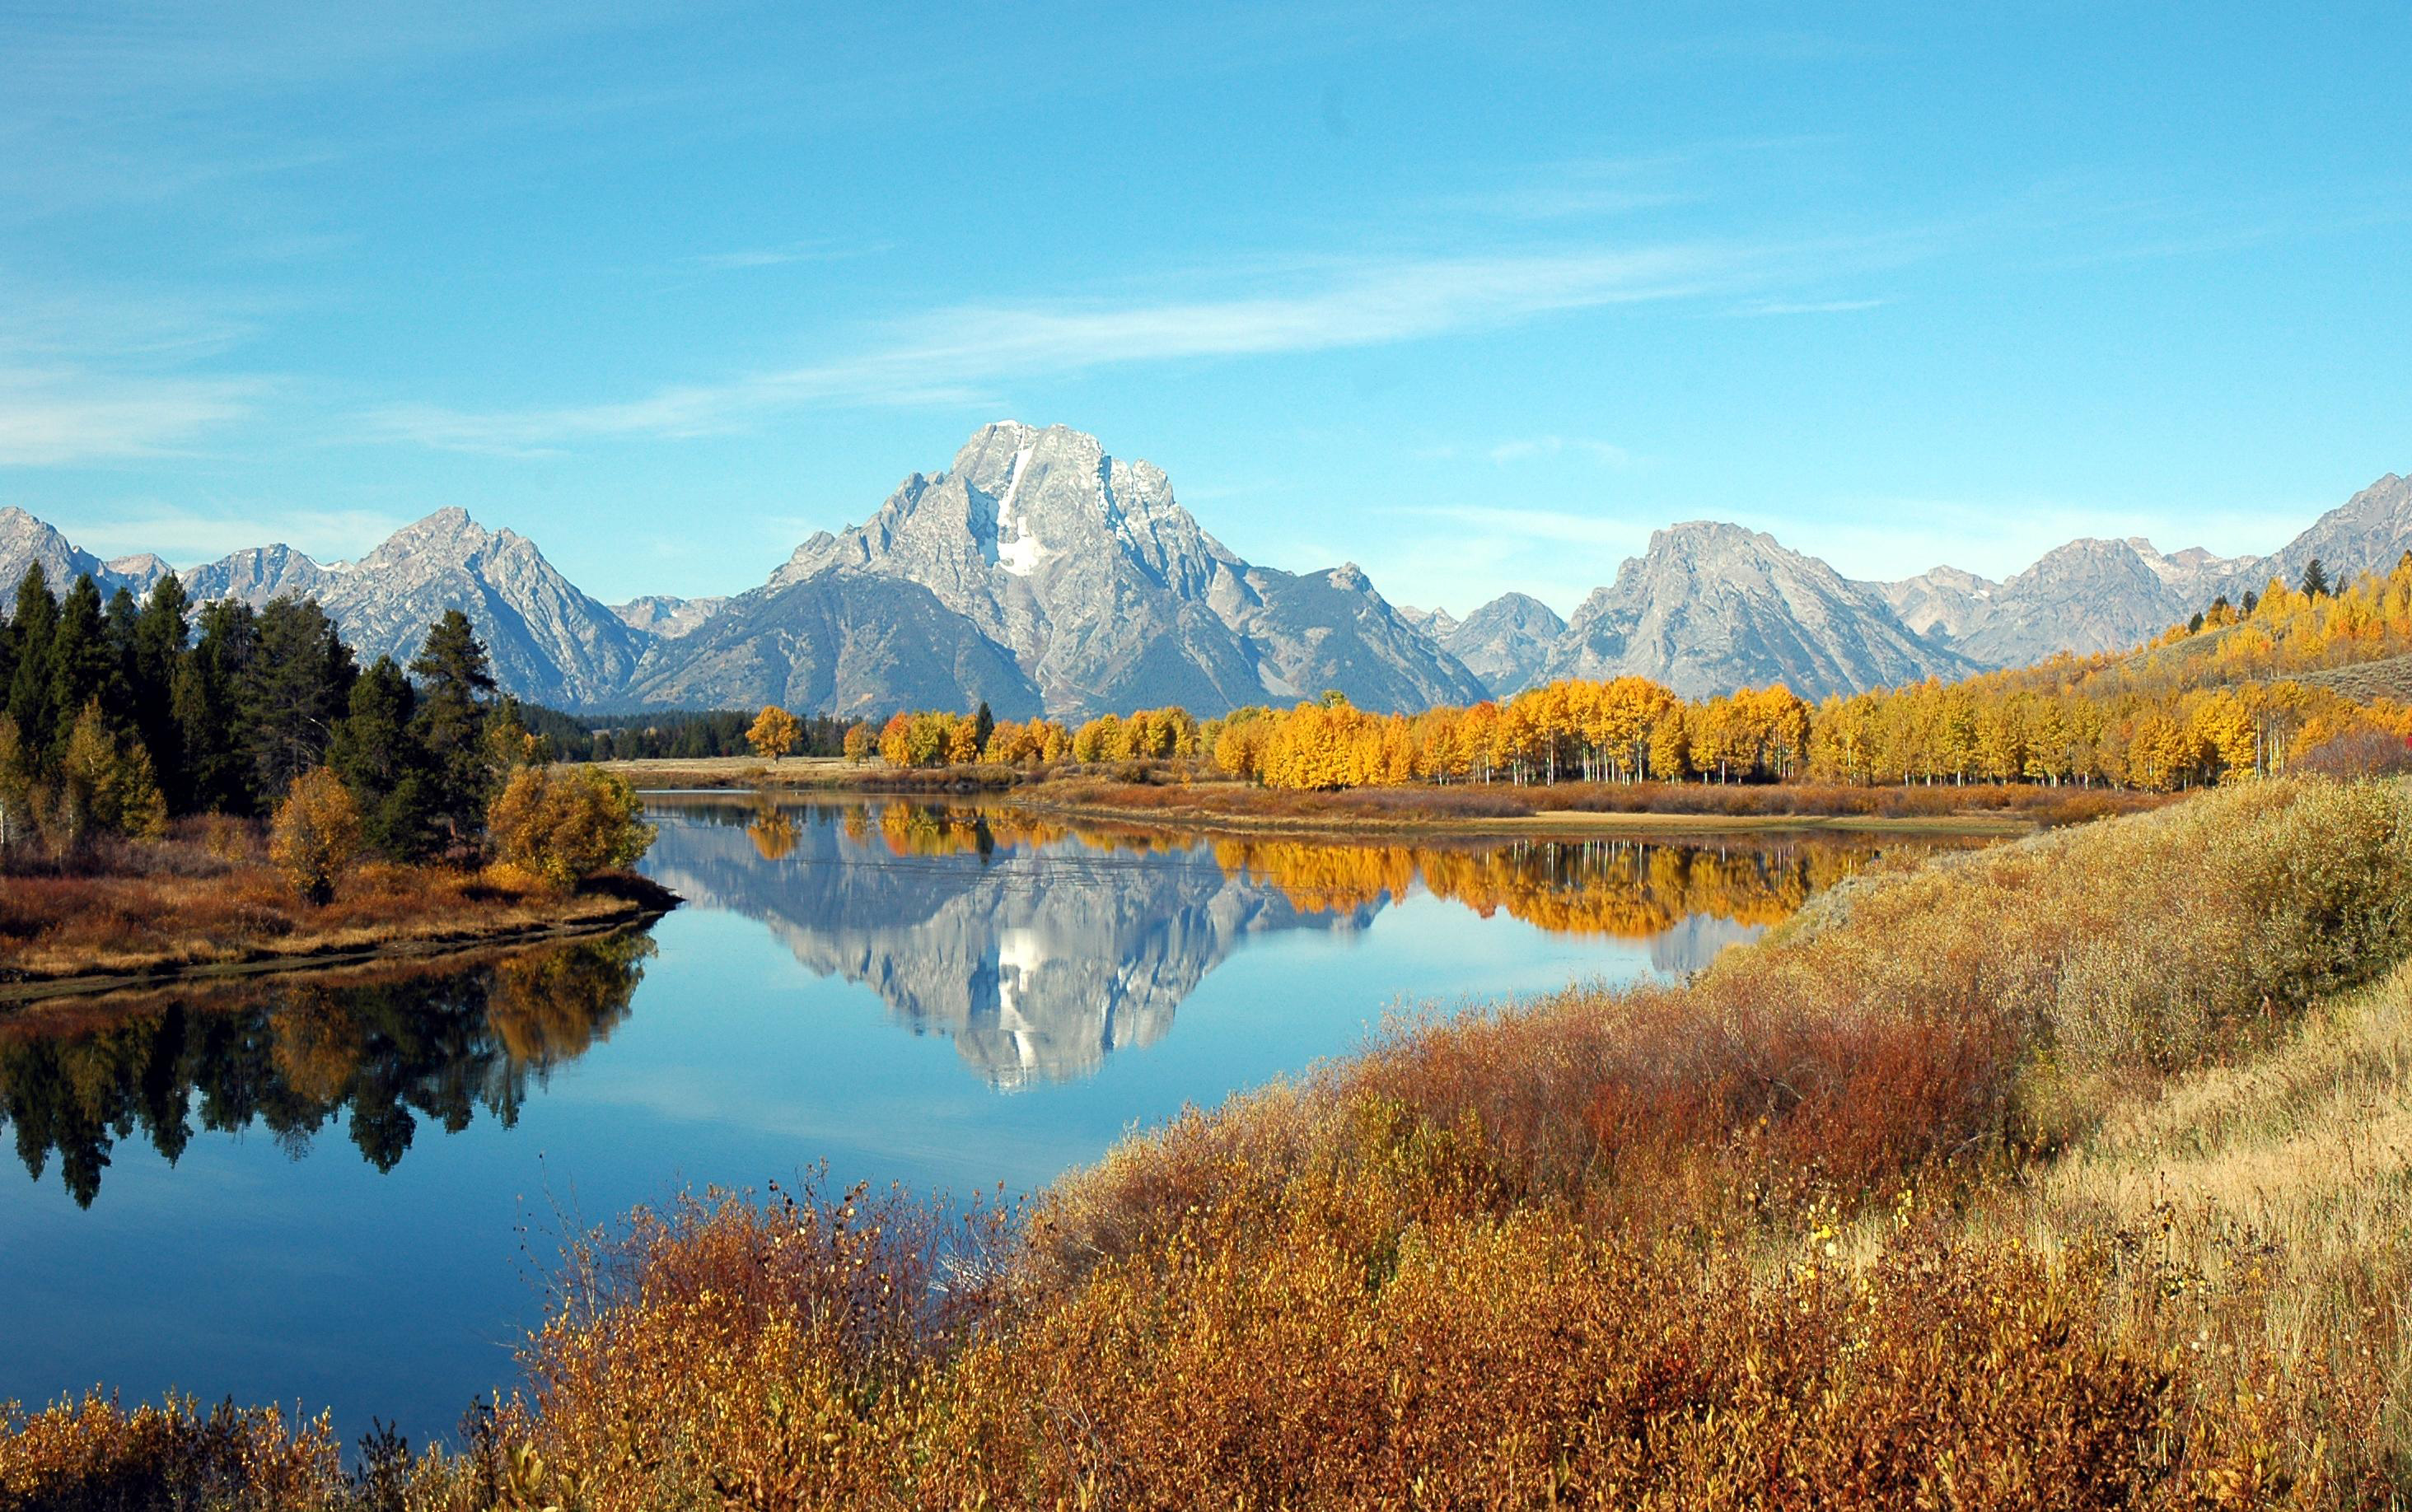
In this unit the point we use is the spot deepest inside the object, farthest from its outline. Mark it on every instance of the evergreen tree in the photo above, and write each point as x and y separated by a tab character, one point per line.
159	650
120	618
983	725
80	660
2316	579
32	629
297	686
202	698
456	696
375	751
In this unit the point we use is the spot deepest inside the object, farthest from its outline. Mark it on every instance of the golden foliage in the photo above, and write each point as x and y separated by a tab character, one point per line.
315	836
775	732
563	824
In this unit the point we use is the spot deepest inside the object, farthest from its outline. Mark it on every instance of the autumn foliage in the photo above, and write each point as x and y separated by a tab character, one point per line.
562	825
315	835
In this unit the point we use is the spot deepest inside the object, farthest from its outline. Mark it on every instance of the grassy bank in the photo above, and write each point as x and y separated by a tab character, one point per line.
2067	1173
1183	793
207	902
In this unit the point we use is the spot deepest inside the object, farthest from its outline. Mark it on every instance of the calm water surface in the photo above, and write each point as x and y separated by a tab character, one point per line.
344	1193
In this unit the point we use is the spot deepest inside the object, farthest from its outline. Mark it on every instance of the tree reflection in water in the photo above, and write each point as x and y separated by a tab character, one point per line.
385	1054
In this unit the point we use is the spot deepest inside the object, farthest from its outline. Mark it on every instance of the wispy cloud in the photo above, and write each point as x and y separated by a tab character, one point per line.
780	257
955	354
1528	449
52	415
1782	307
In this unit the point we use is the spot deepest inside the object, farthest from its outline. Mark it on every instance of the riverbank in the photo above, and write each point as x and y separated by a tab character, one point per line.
75	937
1181	794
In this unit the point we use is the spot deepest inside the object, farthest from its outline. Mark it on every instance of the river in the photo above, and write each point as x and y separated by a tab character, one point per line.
346	1193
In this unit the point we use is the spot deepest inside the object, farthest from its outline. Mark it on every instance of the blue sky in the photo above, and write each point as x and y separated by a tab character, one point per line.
1474	298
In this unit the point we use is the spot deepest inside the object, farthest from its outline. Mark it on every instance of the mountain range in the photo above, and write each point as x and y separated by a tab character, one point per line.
1041	574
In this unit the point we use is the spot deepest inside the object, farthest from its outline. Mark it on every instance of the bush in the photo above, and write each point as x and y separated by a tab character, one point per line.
562	825
315	835
2360	752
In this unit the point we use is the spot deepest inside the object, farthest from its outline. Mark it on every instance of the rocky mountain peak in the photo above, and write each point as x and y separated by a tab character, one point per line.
1711	607
446	535
1083	568
1506	642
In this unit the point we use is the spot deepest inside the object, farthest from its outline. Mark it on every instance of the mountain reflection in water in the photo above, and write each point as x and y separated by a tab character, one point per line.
1040	946
385	1054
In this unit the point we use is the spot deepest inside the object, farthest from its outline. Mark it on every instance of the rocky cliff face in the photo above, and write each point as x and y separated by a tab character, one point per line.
1092	580
1712	607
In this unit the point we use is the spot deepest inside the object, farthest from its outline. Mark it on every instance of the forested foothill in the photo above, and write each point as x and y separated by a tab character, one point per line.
184	783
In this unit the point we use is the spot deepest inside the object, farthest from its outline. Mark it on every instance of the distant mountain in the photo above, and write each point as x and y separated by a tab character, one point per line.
1714	607
1041	574
2089	595
1941	603
547	640
25	540
666	618
2098	595
847	644
259	573
1081	571
1506	642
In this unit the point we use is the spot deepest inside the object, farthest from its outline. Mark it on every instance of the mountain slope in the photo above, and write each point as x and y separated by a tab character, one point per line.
2368	533
848	643
1714	606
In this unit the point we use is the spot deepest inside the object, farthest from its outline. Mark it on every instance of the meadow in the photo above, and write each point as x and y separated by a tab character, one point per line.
2075	1172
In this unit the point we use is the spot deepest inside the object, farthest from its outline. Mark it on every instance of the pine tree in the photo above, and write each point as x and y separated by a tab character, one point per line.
2316	579
203	698
16	786
80	662
376	752
32	629
118	700
297	684
456	695
160	637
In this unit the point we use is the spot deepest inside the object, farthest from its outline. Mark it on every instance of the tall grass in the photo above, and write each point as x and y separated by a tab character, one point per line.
2068	1174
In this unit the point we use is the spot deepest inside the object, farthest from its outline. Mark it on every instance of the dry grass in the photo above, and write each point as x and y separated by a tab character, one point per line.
209	896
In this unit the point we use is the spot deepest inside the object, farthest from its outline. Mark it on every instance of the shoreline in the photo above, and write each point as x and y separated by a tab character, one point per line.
22	991
1232	808
1568	824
